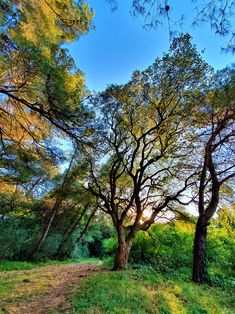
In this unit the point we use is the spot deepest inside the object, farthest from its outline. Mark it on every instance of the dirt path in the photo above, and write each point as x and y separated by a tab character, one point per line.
45	290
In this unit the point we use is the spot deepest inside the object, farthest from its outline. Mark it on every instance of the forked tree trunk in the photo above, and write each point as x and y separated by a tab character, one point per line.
200	272
123	250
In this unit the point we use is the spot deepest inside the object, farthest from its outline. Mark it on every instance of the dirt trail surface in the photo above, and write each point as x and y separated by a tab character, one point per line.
44	290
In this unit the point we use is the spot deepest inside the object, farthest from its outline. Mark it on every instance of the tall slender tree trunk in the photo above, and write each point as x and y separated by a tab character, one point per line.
66	254
123	250
46	229
68	234
53	212
200	272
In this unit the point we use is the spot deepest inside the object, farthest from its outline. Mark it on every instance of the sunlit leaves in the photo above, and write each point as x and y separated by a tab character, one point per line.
41	89
37	73
54	22
146	138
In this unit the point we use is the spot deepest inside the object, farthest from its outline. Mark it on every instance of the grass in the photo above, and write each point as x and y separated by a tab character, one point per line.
146	291
139	291
22	281
16	265
12	265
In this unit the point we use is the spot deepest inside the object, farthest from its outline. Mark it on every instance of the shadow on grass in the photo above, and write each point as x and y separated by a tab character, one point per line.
140	292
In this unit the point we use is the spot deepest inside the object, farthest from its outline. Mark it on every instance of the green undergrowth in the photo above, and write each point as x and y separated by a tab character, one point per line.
147	291
16	265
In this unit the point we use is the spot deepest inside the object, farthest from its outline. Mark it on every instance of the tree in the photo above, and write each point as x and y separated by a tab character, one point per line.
218	166
66	186
82	220
142	168
24	173
40	84
41	95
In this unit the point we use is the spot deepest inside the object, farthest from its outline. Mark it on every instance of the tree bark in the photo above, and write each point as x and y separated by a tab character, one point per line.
200	272
123	250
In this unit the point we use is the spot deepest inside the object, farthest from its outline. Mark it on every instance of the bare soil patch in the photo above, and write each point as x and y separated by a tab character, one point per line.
45	290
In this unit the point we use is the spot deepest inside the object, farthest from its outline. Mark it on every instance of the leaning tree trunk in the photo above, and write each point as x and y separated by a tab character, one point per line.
71	229
63	254
123	250
45	231
54	211
200	272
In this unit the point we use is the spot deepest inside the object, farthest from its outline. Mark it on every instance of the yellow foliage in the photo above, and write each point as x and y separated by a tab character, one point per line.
6	188
73	81
49	21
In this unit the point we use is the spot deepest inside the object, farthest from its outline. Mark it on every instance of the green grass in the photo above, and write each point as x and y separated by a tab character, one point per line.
146	291
12	265
138	291
23	281
15	265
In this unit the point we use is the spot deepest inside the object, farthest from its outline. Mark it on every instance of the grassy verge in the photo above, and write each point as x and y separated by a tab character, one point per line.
22	281
15	265
146	291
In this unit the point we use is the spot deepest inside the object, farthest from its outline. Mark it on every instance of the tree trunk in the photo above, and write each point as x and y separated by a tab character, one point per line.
123	251
62	254
68	234
44	232
54	211
200	273
122	255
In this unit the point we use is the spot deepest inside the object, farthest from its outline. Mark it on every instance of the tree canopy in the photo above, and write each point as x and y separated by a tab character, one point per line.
39	80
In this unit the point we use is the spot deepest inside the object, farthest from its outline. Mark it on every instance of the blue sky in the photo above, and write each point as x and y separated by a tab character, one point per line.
119	45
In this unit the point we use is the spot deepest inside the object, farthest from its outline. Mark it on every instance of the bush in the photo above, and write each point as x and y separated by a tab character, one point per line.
17	237
169	249
164	246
